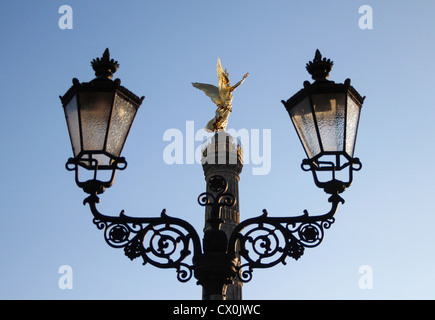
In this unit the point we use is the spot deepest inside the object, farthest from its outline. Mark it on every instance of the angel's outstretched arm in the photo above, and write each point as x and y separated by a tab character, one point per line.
239	83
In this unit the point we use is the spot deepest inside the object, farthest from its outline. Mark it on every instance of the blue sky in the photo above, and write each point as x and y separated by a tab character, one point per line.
162	46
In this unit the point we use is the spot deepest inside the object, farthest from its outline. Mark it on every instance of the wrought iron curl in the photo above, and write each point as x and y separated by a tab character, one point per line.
215	201
162	241
266	244
207	199
267	241
219	185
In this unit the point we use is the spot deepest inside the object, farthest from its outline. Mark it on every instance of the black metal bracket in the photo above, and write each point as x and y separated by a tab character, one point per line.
334	185
94	185
168	242
157	240
266	241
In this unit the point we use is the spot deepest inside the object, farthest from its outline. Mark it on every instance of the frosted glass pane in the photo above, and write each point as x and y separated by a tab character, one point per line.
353	112
122	118
95	159
304	123
329	110
95	110
72	120
102	159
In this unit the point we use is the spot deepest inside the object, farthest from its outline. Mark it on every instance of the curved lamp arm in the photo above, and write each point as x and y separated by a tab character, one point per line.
265	241
161	241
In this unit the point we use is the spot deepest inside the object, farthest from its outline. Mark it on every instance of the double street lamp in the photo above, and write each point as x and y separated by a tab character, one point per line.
325	114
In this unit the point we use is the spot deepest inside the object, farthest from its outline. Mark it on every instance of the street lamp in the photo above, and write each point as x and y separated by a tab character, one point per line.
99	115
326	115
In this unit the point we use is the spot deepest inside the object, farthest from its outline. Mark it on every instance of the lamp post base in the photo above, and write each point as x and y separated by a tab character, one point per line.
214	272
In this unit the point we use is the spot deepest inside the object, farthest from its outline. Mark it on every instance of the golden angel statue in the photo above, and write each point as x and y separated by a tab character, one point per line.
222	96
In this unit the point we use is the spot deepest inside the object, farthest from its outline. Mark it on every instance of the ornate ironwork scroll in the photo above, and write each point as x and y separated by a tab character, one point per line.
267	241
222	198
163	242
261	242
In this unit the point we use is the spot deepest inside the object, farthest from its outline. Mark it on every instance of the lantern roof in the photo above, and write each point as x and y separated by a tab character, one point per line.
319	69
104	68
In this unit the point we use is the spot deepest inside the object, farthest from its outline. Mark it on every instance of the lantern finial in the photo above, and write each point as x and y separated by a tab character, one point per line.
319	68
105	67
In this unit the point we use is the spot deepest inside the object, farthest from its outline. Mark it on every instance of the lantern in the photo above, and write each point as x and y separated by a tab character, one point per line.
325	115
99	115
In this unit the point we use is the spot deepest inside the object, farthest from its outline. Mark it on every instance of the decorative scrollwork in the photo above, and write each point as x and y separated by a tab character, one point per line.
259	242
219	198
208	199
333	185
133	248
163	242
267	241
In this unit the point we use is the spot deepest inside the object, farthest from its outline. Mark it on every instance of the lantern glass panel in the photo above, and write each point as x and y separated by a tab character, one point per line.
303	120
329	109
95	109
352	119
72	119
96	159
122	117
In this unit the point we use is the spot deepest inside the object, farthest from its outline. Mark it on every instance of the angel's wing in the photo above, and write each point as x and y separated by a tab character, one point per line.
223	80
210	90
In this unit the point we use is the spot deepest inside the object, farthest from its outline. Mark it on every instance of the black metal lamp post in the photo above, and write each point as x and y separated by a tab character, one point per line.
99	115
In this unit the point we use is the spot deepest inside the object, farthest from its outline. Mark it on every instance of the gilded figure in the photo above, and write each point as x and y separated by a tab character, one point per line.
222	96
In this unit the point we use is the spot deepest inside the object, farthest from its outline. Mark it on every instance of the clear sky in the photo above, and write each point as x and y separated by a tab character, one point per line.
386	223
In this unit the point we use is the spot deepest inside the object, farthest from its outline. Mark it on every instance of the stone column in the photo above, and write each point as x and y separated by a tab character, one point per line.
223	156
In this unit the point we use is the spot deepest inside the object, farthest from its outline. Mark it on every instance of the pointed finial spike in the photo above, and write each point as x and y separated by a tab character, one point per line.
320	67
105	67
106	54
